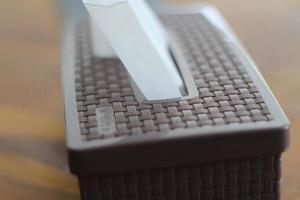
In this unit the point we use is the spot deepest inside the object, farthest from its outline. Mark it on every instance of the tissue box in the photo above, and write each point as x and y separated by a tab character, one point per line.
224	144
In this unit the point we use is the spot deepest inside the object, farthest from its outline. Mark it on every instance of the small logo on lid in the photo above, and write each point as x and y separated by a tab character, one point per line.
106	121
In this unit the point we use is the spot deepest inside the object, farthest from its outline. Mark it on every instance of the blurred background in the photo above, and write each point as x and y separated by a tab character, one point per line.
33	161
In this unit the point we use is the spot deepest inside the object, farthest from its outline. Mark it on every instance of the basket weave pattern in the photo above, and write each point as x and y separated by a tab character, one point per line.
246	179
227	94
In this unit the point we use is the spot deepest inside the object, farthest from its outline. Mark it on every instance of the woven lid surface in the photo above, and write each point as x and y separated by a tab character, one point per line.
227	93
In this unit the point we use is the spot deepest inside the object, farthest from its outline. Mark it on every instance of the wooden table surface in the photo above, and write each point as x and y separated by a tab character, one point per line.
33	161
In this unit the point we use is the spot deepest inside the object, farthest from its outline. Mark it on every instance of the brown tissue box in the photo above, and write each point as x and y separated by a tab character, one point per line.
224	144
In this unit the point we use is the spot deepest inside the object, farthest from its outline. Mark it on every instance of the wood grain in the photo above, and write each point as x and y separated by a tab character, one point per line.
33	161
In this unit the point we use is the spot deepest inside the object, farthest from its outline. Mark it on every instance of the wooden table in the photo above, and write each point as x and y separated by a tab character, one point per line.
33	161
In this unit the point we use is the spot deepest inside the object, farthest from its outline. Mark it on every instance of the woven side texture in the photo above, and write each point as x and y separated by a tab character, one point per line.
227	94
247	179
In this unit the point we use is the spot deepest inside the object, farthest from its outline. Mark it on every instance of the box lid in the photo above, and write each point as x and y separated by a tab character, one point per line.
234	116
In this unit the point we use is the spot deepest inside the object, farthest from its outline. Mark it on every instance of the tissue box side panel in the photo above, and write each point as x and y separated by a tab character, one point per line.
249	178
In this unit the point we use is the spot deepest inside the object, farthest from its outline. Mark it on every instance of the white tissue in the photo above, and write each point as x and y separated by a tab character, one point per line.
140	41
